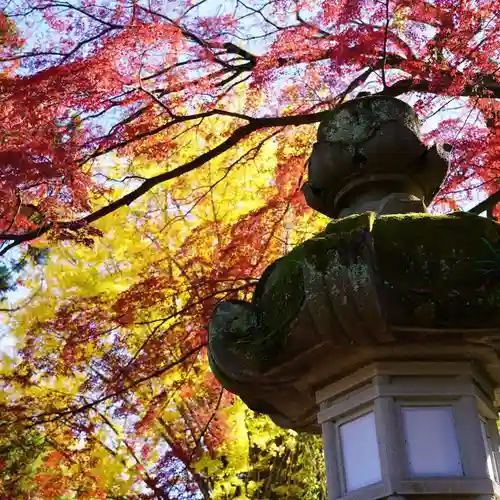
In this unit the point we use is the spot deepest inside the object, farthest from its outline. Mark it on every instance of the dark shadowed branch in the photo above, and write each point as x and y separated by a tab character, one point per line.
487	205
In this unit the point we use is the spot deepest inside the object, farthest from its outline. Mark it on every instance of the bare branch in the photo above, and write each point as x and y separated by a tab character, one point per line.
386	34
41	418
486	205
239	134
207	425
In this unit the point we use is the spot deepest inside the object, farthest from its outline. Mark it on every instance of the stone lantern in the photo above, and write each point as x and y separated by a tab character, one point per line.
382	332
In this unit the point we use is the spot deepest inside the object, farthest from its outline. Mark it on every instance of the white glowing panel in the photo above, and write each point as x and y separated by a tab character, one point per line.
431	441
360	455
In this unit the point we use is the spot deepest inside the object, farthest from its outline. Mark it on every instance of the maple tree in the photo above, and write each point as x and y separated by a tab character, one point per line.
152	156
111	355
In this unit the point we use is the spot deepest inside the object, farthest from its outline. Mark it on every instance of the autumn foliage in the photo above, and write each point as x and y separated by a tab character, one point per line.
156	151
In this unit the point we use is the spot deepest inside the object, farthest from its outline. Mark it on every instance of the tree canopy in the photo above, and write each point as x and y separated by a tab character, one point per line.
152	160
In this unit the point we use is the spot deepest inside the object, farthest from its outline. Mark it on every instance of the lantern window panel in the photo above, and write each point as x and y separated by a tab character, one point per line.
431	441
360	452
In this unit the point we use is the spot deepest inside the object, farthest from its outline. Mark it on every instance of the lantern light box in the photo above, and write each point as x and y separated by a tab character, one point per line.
389	430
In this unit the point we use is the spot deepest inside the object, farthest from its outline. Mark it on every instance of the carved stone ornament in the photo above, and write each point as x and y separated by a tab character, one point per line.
368	149
390	283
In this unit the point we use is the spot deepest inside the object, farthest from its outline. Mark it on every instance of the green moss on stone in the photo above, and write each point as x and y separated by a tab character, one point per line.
440	271
433	271
280	293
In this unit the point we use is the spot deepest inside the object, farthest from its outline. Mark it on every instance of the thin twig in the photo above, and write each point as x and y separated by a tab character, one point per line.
386	35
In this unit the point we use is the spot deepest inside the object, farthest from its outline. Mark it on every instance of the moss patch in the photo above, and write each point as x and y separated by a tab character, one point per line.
434	271
280	294
439	271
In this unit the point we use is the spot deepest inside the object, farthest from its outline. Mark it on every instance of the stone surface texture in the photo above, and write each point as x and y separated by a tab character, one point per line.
370	147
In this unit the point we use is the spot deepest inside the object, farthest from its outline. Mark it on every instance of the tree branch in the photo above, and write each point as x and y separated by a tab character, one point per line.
386	35
239	134
486	205
41	418
486	86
